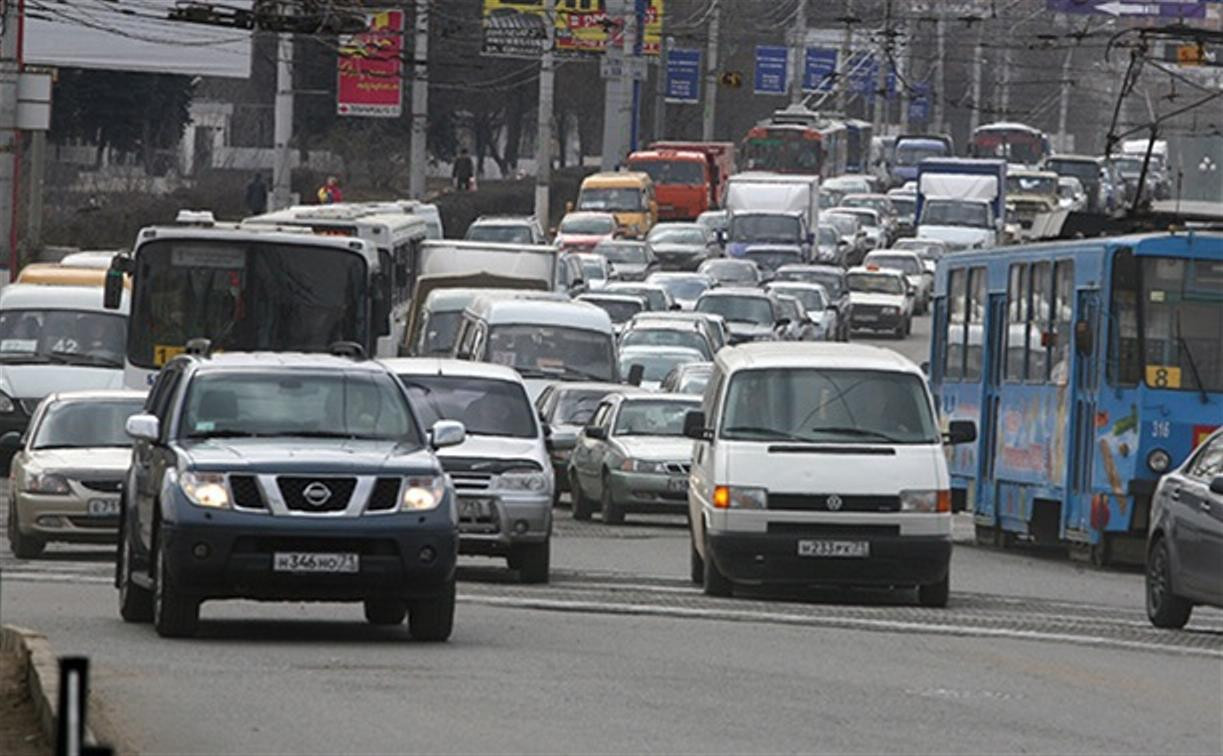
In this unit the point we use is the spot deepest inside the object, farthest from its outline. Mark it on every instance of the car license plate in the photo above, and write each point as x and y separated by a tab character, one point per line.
307	561
102	507
840	549
677	485
866	318
475	509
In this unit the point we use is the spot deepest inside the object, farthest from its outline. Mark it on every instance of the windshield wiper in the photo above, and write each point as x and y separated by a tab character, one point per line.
82	358
24	358
224	433
763	431
856	432
1193	365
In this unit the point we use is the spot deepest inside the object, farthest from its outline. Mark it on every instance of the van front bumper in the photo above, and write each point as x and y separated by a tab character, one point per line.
768	558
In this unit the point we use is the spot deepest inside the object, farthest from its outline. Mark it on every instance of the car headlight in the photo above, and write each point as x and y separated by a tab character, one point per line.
46	483
643	466
423	493
740	497
7	405
522	480
891	310
1159	461
205	489
925	501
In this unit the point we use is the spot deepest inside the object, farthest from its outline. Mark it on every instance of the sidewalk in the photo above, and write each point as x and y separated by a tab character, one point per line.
20	732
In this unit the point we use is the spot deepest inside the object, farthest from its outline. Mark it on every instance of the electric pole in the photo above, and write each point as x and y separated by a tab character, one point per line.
906	74
847	42
940	78
711	72
881	66
10	138
974	115
798	52
1063	105
613	55
282	126
543	149
418	163
660	90
633	45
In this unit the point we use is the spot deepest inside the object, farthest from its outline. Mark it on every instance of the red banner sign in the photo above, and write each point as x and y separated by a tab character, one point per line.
370	64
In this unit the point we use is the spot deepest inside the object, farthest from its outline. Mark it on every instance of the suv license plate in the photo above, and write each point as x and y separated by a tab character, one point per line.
475	509
298	561
842	549
102	507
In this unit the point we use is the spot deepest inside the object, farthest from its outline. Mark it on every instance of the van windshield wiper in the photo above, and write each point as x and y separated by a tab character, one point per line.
770	432
863	432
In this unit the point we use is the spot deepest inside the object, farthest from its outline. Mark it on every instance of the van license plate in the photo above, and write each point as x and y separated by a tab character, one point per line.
298	561
841	549
102	507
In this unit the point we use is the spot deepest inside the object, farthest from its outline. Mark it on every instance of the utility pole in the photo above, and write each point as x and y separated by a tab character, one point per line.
847	42
1004	99
282	127
660	90
10	138
798	53
634	31
974	115
418	155
543	149
881	69
711	72
1063	106
940	79
906	73
613	94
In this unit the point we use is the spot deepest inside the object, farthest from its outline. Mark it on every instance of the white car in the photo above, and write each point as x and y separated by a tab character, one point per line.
914	270
882	300
785	485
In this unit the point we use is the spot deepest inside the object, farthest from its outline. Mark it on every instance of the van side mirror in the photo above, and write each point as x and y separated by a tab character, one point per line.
694	426
597	432
960	432
112	292
636	373
1082	338
1216	485
925	368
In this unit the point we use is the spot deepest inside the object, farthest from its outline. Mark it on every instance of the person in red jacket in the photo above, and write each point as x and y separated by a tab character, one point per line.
329	193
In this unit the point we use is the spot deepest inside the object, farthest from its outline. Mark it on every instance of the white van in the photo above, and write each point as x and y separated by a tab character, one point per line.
820	464
55	339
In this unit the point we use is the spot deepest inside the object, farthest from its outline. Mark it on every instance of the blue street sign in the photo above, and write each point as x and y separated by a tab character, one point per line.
919	103
819	66
771	69
684	76
864	79
1122	8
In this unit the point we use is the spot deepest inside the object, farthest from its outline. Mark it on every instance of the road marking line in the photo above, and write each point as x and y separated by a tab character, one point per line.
596	607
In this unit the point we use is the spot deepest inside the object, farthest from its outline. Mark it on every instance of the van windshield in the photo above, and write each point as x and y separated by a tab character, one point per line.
816	405
72	337
628	199
439	333
538	351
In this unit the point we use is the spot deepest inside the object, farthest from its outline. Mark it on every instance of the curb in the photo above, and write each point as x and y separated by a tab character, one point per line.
34	652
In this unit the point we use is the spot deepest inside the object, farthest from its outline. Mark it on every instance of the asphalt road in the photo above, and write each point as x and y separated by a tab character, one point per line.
619	653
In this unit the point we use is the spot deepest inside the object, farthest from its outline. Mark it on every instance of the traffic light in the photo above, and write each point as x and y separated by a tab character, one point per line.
732	79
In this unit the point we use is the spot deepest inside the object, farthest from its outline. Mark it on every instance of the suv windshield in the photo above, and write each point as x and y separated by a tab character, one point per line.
592	225
485	406
677	235
764	228
610	199
86	424
832	406
652	418
245	297
541	351
76	337
873	283
506	234
955	213
622	252
332	404
666	337
745	309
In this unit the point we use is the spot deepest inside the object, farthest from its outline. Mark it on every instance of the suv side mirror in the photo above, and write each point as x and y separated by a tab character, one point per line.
447	433
636	372
1216	485
597	432
143	427
961	432
694	426
1082	337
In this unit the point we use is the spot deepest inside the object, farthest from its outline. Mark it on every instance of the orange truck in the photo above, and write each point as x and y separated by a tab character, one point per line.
689	177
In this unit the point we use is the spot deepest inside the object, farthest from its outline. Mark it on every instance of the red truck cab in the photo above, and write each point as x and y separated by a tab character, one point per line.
682	181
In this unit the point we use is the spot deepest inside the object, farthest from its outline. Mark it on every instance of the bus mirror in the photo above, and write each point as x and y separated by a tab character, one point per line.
1082	338
112	292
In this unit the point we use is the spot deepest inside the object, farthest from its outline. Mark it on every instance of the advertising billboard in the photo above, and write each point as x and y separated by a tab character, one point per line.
369	68
519	28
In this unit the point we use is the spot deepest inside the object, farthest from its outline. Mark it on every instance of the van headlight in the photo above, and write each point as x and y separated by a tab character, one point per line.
740	497
643	466
205	489
522	480
423	493
925	501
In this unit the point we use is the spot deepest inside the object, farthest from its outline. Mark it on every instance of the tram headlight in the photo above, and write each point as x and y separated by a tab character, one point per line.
1159	461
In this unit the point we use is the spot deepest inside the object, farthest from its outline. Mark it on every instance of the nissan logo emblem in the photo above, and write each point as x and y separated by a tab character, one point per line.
316	494
834	502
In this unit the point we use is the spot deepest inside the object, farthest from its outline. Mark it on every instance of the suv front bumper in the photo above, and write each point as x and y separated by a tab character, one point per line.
766	558
512	519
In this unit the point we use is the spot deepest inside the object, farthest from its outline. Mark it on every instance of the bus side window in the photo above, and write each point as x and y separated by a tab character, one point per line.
1123	354
957	322
1038	351
1063	309
1017	323
974	345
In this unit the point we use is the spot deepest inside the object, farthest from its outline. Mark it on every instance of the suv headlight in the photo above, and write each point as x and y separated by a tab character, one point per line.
522	480
423	493
205	489
7	405
925	501
891	310
643	466
46	483
740	497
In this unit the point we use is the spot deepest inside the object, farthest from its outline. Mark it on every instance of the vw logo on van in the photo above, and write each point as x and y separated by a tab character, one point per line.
316	494
834	503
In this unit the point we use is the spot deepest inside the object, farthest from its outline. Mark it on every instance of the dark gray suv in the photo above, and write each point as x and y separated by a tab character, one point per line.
287	477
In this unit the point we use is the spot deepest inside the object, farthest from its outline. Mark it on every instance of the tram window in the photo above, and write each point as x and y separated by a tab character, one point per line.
1038	355
957	320
1063	312
1123	342
1017	323
975	332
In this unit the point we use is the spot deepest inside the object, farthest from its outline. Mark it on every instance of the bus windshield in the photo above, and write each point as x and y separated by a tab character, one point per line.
1183	323
912	153
247	296
1012	145
783	151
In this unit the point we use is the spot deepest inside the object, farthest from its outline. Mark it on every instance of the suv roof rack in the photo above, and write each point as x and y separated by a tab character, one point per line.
350	349
198	347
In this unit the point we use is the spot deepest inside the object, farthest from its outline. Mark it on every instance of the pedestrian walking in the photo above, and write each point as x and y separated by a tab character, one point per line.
257	195
464	172
329	193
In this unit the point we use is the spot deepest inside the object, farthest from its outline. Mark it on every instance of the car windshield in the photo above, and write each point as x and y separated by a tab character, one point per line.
1084	170
905	264
873	283
909	154
874	203
688	287
506	234
593	271
656	363
812	299
671	171
538	351
667	337
772	259
632	253
655	299
764	228
485	406
339	404
619	310
245	297
788	309
955	213
828	406
842	223
627	199
870	220
1031	185
652	417
906	207
714	220
439	332
744	309
828	235
732	272
694	381
73	337
577	407
676	235
591	225
86	424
